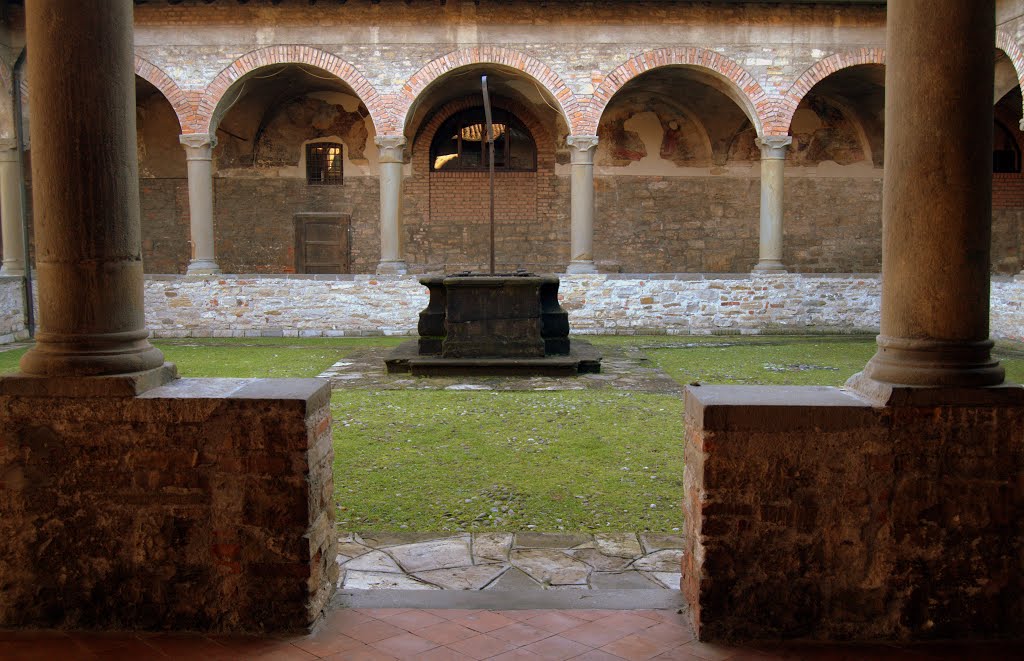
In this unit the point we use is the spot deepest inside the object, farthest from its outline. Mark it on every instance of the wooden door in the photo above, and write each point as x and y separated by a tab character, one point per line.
322	243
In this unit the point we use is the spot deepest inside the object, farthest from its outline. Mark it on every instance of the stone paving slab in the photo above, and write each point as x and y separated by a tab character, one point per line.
517	562
622	368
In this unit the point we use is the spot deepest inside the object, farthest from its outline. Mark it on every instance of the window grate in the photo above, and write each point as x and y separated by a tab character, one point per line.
324	164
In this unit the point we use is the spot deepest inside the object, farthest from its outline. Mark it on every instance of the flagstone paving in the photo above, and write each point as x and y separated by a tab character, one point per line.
508	561
622	368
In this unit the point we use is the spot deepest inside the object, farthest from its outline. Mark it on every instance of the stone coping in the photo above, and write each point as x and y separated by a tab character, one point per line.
364	277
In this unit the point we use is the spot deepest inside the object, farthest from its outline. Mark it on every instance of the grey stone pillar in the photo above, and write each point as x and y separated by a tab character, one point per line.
85	184
391	161
773	168
937	198
10	210
199	156
581	245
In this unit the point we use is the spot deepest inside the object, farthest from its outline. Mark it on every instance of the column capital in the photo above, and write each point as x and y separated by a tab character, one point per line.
774	146
391	148
583	148
198	143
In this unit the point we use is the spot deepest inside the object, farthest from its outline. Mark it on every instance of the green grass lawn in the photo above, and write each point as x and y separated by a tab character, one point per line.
546	461
570	460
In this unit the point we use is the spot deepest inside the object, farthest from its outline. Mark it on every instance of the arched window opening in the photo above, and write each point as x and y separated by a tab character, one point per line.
1005	151
460	143
324	164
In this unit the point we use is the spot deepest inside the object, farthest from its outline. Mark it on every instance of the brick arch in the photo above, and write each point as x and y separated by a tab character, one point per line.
271	55
1006	43
757	102
531	66
817	72
179	100
543	139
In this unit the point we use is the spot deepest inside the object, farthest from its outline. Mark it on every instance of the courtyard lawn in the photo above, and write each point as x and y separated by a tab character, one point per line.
545	461
587	460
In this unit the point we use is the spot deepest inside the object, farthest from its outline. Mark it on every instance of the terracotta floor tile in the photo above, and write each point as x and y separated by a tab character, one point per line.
521	633
668	633
522	615
484	621
557	648
38	650
182	645
482	646
370	632
381	613
587	615
325	642
365	653
405	646
637	647
554	621
626	621
593	634
443	654
446	632
452	613
413	620
515	655
340	616
596	655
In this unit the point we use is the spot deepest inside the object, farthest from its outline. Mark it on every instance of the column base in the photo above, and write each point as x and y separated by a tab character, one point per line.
769	266
582	266
914	362
119	385
396	267
13	271
99	354
202	267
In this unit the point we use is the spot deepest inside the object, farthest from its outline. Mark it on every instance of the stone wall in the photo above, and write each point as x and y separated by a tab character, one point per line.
12	309
199	505
623	304
812	514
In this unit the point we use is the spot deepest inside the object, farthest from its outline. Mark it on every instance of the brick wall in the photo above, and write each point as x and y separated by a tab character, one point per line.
447	213
811	513
166	244
254	220
201	505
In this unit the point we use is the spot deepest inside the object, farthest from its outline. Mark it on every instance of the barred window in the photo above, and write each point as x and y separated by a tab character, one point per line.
460	143
324	164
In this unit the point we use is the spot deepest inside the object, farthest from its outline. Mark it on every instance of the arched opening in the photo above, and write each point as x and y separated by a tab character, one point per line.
833	217
447	203
163	182
675	177
1007	182
282	205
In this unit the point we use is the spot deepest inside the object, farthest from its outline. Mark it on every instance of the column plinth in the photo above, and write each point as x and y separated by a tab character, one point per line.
936	201
773	168
581	233
11	220
391	159
86	193
199	159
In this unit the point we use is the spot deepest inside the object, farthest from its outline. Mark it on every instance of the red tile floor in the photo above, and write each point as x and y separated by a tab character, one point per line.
450	635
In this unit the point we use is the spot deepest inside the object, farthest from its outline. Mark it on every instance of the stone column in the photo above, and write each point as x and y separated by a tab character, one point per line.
581	246
936	199
85	184
773	168
391	161
10	210
199	155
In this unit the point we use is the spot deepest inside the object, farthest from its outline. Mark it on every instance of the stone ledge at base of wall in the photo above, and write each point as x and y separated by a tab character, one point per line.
290	305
